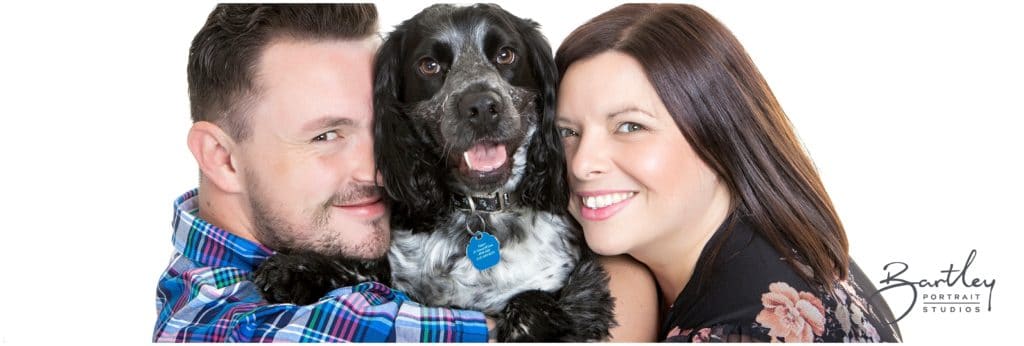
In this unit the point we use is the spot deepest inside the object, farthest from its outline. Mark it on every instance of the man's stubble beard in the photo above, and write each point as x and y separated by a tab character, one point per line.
277	233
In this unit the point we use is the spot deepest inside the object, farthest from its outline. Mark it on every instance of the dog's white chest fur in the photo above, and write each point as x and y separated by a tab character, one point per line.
433	269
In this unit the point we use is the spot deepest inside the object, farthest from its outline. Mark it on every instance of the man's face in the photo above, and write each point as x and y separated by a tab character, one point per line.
308	165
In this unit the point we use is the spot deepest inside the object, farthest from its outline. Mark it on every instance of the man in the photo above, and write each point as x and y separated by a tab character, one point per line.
281	101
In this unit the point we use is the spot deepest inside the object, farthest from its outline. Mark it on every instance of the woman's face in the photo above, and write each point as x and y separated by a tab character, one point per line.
635	180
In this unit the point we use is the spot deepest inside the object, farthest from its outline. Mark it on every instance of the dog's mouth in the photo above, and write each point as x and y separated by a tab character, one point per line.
485	164
483	158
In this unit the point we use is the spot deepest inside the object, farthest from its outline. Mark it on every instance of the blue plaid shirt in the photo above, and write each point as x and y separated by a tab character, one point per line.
206	295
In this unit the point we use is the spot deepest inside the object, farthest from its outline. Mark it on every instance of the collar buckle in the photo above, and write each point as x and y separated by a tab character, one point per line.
496	202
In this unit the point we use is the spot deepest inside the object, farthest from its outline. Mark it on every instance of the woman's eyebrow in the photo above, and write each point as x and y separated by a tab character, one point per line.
629	109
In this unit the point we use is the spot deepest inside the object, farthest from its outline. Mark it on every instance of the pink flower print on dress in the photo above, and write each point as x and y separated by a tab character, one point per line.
703	335
791	315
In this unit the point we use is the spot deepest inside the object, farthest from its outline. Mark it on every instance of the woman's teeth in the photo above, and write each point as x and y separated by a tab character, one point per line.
595	202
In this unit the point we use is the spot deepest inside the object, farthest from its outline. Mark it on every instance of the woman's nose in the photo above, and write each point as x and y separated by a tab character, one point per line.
590	158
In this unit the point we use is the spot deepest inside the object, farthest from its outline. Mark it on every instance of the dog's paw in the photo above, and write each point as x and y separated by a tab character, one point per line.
295	279
588	303
532	316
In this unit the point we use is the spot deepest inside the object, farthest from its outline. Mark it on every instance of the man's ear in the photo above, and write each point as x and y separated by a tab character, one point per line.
214	151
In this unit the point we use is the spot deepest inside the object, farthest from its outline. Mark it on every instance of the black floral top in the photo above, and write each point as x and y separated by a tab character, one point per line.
751	293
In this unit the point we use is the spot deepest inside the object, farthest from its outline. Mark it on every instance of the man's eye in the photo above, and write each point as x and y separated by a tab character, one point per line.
326	136
628	127
567	132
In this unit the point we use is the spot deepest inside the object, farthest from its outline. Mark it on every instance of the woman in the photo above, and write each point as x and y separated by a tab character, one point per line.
681	157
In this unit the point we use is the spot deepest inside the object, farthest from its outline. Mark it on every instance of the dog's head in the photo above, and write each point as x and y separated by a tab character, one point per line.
464	100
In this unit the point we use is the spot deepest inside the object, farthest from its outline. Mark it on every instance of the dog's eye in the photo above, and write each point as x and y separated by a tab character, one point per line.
506	56
429	66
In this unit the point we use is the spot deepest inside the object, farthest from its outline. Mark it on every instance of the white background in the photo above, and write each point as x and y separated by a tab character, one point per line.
911	112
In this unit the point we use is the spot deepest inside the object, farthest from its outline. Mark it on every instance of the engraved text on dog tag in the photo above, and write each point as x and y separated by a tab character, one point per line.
483	250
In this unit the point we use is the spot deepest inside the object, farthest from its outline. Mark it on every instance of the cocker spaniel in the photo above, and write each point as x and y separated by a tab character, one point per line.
466	142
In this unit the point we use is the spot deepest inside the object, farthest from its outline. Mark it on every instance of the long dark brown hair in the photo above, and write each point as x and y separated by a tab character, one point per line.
730	117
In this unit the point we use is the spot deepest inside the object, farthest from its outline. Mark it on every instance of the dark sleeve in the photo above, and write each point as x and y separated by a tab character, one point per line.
731	289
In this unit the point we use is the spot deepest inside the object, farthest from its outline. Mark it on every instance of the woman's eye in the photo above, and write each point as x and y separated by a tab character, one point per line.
566	132
506	56
429	66
326	136
628	127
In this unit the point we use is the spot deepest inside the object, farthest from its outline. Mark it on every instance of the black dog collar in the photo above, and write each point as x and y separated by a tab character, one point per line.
492	203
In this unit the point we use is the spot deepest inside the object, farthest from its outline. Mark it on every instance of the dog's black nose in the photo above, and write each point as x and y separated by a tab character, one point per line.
480	106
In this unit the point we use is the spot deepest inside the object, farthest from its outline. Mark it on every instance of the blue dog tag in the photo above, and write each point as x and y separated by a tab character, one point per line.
483	251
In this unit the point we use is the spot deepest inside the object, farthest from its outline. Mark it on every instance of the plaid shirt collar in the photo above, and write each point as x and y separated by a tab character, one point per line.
209	245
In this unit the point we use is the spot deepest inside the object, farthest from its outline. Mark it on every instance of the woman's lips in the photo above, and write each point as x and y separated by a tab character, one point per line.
369	209
603	204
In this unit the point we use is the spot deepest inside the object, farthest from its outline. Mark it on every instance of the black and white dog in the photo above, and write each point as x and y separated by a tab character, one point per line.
466	141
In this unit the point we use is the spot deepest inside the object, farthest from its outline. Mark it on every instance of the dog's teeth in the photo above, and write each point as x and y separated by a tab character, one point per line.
465	156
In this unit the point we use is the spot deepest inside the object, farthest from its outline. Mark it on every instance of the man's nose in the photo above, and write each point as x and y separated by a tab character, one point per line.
364	166
480	107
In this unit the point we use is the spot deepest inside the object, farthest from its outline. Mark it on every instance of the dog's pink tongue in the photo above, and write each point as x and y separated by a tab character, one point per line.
485	157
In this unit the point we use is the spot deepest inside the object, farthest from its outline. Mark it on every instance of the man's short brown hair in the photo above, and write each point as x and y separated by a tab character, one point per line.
224	54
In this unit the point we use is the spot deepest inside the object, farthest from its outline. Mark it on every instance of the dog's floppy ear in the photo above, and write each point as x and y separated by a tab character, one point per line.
544	185
408	168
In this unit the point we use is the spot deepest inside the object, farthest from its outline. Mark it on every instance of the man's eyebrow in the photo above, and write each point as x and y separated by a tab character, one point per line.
327	121
628	109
